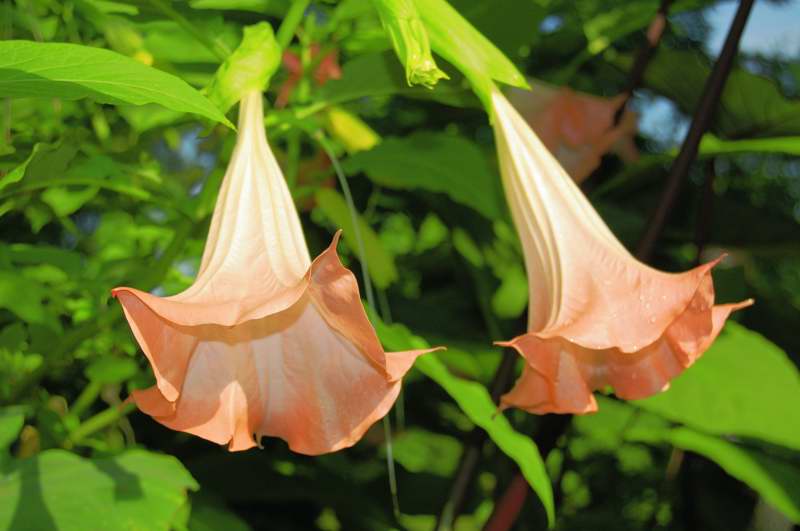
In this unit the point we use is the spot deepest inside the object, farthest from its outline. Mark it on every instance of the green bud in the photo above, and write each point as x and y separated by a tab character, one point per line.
248	68
410	41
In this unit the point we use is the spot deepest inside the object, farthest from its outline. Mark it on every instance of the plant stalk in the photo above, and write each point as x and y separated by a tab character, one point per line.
700	123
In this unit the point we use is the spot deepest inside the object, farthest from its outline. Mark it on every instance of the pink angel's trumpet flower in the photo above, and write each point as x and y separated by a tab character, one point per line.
577	128
265	342
597	316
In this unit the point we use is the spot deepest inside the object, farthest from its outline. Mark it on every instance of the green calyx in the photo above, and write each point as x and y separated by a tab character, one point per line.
410	41
248	68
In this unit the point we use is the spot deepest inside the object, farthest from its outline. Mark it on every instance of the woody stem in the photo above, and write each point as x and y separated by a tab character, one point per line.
700	123
654	33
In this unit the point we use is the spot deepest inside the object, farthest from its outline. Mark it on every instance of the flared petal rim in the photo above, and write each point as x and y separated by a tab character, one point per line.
333	292
560	376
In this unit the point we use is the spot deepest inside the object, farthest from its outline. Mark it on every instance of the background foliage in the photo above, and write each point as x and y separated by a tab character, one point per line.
110	162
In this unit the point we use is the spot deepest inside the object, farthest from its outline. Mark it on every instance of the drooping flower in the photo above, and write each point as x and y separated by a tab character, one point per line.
597	316
265	341
577	128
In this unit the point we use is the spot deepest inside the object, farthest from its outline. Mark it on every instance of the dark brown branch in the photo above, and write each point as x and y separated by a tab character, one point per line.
705	212
654	33
700	122
646	52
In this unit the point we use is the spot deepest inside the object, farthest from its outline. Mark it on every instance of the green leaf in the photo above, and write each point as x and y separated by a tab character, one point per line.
72	71
249	68
60	490
207	516
70	262
711	145
506	23
475	402
65	201
26	298
380	262
511	298
455	39
774	479
262	7
743	385
410	41
169	41
111	370
11	421
44	161
435	162
421	451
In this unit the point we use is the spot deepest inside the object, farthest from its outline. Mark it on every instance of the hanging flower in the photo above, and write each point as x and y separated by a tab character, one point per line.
265	342
597	316
577	128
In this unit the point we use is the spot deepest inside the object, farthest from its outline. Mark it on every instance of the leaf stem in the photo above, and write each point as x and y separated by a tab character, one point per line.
86	398
97	423
290	22
362	252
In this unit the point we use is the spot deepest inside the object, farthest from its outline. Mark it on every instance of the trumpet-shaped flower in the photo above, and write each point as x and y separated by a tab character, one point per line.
577	128
597	316
265	341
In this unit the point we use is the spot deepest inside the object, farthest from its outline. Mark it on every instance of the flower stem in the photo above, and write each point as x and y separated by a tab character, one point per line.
362	252
700	123
96	423
290	22
86	398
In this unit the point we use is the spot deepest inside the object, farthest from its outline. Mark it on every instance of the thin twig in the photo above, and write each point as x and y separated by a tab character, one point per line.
654	33
700	123
635	77
705	212
362	254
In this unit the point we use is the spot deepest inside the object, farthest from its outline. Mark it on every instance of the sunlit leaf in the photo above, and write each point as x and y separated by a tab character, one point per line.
72	71
57	489
434	162
474	400
744	385
11	421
